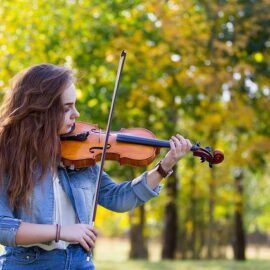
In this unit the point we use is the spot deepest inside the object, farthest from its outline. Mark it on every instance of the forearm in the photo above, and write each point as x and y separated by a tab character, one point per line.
29	233
154	178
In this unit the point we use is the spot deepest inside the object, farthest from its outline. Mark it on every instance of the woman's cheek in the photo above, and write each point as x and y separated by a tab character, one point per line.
66	118
64	129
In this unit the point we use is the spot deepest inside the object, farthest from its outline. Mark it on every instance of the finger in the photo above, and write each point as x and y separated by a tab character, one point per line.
180	137
177	143
85	245
183	142
91	235
89	241
185	146
172	145
188	145
94	231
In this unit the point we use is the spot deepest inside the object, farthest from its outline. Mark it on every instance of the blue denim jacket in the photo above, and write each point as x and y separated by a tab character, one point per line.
79	185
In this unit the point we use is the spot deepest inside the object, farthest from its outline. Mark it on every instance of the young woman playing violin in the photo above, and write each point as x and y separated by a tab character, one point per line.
44	207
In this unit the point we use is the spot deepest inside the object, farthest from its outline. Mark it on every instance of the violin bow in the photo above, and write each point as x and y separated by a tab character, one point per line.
116	86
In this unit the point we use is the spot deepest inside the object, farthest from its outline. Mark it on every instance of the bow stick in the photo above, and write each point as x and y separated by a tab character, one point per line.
116	86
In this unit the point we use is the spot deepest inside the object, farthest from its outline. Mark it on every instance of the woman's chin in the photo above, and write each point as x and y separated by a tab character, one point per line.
66	130
69	128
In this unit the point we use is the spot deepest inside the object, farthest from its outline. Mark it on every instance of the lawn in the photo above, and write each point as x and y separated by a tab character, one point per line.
184	265
113	253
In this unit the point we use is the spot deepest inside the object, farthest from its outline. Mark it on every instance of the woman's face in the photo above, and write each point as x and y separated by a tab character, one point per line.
69	100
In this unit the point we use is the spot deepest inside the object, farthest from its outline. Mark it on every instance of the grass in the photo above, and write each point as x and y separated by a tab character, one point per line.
113	253
184	265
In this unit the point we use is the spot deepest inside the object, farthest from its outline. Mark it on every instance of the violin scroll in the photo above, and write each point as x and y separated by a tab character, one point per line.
207	154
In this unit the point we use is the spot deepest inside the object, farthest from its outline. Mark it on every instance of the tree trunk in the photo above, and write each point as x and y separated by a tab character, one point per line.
183	249
193	213
170	232
211	225
137	240
239	243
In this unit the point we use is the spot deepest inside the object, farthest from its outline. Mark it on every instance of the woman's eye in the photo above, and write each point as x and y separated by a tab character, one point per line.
67	109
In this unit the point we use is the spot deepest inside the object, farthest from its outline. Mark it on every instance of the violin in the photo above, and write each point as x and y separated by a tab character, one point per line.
138	147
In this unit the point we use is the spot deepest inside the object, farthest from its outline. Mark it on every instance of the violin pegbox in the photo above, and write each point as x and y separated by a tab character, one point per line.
207	154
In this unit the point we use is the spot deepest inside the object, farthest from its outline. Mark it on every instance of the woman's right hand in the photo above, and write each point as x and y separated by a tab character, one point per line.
83	234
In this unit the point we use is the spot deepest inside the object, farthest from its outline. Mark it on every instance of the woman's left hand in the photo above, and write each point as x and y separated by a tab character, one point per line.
179	147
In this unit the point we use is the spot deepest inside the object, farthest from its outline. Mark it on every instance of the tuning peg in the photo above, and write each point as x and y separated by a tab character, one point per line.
195	146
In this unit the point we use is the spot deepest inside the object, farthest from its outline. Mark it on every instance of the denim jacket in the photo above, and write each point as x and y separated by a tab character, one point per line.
79	185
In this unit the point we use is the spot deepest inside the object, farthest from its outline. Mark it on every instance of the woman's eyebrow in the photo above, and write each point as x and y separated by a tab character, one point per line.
70	103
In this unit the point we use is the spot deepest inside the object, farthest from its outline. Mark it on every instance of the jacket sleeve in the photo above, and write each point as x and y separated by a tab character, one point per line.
8	223
127	195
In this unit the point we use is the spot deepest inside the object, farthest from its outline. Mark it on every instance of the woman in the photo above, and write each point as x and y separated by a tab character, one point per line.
45	207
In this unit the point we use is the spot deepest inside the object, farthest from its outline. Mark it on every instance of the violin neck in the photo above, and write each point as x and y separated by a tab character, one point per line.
142	140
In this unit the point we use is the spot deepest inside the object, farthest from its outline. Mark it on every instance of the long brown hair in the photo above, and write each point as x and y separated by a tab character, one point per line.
30	119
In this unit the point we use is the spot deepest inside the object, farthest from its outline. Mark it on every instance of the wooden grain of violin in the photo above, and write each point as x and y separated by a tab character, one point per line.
138	147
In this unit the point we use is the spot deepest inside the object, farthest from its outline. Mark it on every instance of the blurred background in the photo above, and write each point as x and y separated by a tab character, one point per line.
198	68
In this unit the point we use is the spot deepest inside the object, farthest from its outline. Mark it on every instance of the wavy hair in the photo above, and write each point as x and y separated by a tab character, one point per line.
30	119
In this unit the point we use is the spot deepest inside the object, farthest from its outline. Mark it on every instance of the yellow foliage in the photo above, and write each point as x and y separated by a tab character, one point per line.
111	223
92	102
258	57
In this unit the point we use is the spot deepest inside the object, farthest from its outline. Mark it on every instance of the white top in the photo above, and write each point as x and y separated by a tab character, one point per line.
64	214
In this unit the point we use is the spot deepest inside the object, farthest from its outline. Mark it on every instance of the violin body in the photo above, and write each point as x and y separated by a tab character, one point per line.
84	153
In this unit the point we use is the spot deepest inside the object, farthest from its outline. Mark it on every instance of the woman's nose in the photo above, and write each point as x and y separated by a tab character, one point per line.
76	114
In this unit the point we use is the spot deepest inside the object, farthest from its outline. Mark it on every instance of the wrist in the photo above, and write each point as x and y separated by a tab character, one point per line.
166	165
164	172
